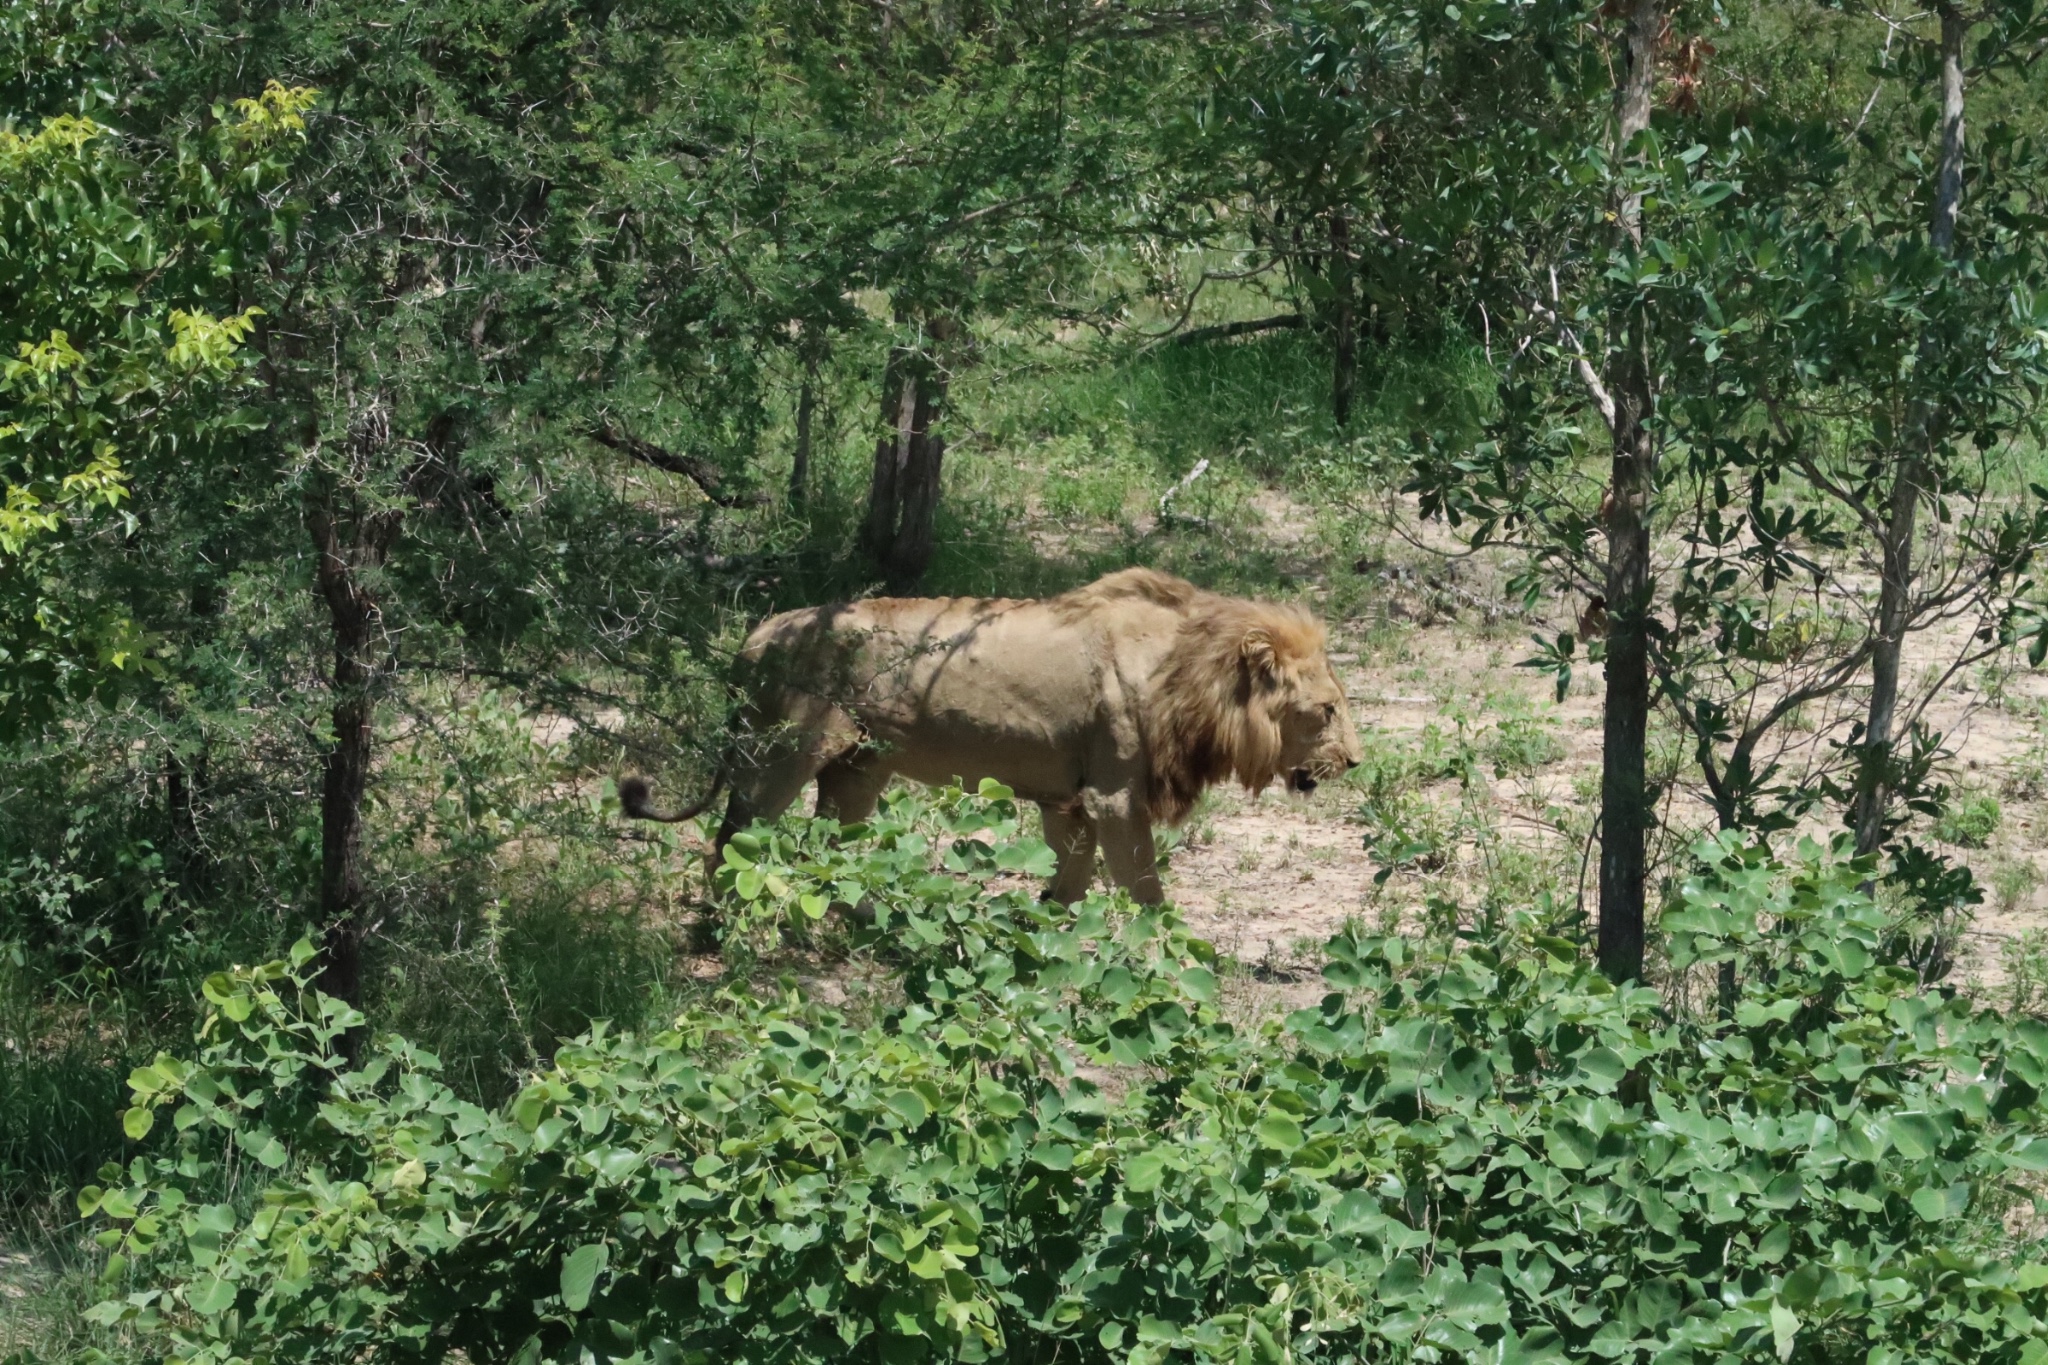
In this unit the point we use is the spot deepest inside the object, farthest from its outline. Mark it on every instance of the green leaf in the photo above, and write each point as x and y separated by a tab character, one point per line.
910	1107
1601	1067
1571	1145
210	1296
1279	1132
1916	1136
580	1269
1938	1205
1784	1329
1143	1172
137	1122
997	1099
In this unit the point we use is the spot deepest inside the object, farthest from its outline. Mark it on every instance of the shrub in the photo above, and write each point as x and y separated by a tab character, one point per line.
1465	1152
1969	823
1522	745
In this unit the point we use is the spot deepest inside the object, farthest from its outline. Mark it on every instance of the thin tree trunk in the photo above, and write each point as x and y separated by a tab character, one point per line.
917	488
1346	359
357	624
1624	794
903	496
899	402
800	461
1874	780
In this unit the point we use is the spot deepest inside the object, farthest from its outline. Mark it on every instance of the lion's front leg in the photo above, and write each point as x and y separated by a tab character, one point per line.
1124	827
1071	833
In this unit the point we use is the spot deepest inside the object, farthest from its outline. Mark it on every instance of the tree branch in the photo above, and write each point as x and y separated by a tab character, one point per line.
692	467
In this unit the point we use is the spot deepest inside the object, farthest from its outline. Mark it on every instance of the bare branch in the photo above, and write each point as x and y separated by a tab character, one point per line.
692	467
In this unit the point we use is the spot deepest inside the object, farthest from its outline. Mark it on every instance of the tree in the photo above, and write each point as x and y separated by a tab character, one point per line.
1630	407
1953	394
1389	162
488	291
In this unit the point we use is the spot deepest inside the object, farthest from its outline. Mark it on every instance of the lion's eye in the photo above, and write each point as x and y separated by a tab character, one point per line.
1329	711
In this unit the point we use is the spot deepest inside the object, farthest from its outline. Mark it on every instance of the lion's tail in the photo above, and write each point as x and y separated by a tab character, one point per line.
634	801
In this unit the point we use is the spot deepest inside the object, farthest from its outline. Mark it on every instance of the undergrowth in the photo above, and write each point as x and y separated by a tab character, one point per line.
1049	1142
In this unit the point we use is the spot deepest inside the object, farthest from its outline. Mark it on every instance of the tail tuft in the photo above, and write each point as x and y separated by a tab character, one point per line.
634	800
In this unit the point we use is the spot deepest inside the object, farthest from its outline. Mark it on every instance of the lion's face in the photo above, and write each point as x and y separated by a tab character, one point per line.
1305	703
1318	740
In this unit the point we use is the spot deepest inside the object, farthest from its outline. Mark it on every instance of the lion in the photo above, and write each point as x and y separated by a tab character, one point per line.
1113	707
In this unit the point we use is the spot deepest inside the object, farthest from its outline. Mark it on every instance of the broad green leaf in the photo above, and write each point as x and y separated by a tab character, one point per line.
1143	1172
910	1107
1938	1204
1571	1146
580	1269
1279	1132
1784	1329
210	1296
1915	1135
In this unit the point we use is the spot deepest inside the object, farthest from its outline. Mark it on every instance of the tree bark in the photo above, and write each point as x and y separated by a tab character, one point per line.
1624	794
903	494
1894	601
1345	363
360	662
800	459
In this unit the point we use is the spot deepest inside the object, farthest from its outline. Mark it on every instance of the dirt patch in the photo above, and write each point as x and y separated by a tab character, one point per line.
1268	881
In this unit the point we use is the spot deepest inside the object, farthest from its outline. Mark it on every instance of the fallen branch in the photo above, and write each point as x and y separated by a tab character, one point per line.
1222	330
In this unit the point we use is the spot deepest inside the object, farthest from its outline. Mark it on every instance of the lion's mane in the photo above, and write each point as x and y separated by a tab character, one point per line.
1209	715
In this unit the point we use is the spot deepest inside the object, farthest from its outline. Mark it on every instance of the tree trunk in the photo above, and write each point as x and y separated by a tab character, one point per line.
357	624
1346	359
800	461
903	496
1894	601
1624	794
878	528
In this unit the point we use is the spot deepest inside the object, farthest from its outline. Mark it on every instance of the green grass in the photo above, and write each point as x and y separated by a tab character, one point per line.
1058	456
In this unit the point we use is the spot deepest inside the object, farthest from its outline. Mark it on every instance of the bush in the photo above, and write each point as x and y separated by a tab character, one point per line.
1483	1151
1970	823
1522	745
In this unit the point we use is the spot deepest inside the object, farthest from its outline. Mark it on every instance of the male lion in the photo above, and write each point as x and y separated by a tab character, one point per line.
1112	706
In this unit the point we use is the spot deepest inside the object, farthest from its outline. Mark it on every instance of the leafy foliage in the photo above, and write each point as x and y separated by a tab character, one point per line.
1055	1143
106	273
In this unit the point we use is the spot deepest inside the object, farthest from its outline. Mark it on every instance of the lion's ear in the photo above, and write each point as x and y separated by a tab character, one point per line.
1257	653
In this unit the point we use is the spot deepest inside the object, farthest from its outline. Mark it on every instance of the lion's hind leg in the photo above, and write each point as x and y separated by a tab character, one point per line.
850	785
814	738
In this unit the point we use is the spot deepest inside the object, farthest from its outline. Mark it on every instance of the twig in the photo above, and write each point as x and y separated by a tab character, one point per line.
1187	482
